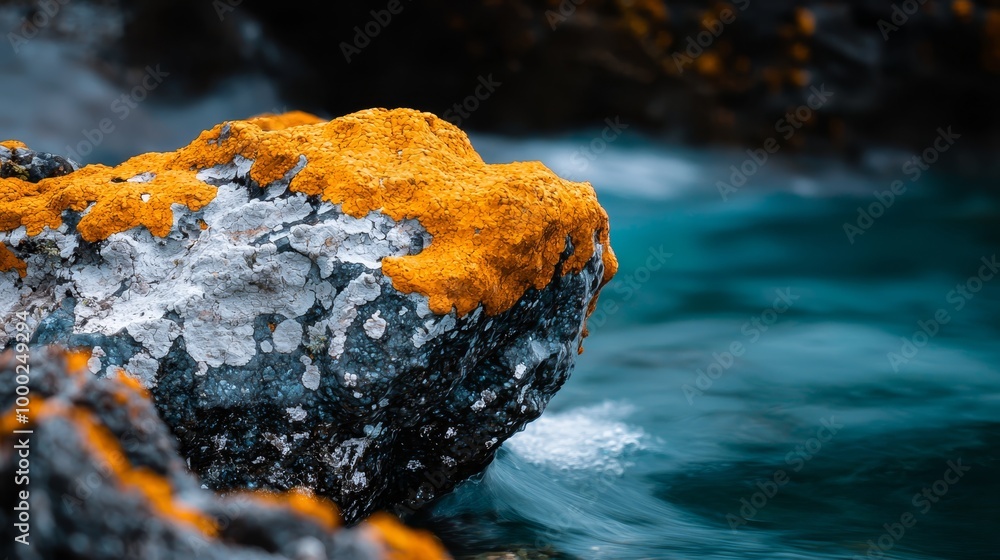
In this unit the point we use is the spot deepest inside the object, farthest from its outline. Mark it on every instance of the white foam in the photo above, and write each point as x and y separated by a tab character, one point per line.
587	438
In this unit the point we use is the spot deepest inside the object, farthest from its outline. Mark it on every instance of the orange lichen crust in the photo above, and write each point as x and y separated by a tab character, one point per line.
497	230
12	144
404	543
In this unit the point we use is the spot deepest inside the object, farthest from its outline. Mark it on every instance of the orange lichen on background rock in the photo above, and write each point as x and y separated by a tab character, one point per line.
404	543
497	229
302	501
12	144
76	359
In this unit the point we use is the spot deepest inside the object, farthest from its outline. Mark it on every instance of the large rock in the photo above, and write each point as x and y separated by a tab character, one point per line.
361	306
94	474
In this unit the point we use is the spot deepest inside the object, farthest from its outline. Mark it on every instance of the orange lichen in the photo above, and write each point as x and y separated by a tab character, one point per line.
497	230
303	502
155	488
269	121
12	144
76	360
9	261
131	383
117	204
805	20
404	543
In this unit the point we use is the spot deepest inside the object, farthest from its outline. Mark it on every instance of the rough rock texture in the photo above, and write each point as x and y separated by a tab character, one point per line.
361	307
105	481
898	69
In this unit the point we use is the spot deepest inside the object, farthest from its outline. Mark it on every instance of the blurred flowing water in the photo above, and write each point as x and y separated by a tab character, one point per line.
811	443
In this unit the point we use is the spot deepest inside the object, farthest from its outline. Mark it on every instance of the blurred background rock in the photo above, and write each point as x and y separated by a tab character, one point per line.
687	71
627	463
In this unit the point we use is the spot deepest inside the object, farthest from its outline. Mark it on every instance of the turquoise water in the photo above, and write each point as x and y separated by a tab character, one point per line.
813	441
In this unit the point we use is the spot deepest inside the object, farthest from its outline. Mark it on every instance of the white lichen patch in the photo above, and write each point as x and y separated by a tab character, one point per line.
486	397
311	377
519	371
433	329
297	414
94	364
361	290
375	326
287	336
345	238
357	482
157	335
278	442
144	177
144	368
220	441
